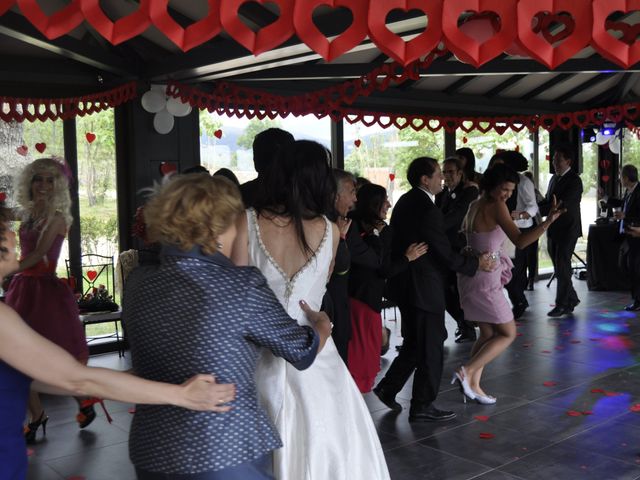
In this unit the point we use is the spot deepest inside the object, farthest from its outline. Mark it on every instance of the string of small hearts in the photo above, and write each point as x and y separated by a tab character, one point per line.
42	109
526	27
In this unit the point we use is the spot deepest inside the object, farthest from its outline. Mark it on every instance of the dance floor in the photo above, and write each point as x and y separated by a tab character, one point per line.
568	407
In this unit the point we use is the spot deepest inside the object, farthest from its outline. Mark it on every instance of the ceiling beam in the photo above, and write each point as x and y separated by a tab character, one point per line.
582	87
457	85
504	85
547	85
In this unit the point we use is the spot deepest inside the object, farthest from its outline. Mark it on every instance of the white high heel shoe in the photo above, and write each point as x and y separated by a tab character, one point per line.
485	399
463	384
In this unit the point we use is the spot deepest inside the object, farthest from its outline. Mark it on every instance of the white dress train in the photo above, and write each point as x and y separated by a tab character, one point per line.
322	418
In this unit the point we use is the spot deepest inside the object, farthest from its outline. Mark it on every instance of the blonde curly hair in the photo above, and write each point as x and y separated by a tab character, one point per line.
60	201
192	209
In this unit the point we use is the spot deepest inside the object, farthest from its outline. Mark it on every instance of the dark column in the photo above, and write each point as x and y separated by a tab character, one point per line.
71	156
449	144
337	143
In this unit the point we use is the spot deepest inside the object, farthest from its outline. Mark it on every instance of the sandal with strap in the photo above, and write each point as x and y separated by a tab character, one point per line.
87	413
31	429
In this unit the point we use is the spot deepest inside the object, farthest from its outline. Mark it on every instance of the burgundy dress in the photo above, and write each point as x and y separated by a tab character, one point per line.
45	302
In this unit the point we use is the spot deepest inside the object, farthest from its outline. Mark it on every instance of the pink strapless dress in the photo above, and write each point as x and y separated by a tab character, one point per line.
482	297
46	303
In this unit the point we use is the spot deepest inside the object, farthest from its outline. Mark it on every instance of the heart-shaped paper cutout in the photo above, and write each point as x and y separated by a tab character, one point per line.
605	178
608	46
167	168
548	26
605	164
122	29
268	37
395	46
218	133
90	136
41	147
308	32
192	36
468	49
357	143
22	150
3	196
6	5
92	275
541	48
629	32
52	26
392	176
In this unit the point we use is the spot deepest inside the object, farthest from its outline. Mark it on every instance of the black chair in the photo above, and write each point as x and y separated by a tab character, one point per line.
98	272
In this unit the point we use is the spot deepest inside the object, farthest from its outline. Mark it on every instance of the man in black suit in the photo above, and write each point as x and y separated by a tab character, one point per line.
454	202
563	234
419	293
629	215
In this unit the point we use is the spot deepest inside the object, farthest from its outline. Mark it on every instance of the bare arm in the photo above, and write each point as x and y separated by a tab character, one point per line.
55	228
520	239
240	250
35	356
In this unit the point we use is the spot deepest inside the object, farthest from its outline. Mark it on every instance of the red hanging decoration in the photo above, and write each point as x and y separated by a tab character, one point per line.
122	29
218	133
22	150
357	143
53	26
392	177
41	147
605	178
90	136
465	140
618	51
168	168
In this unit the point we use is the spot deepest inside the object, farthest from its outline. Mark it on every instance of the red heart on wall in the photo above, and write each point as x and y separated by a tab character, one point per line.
468	49
167	168
392	176
393	45
3	196
605	164
218	133
608	46
56	25
605	178
122	29
357	143
92	275
195	34
90	137
22	150
540	47
308	32
268	37
41	147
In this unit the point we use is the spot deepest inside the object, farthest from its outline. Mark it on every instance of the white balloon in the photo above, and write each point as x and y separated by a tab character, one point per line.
153	101
602	139
614	145
163	122
178	109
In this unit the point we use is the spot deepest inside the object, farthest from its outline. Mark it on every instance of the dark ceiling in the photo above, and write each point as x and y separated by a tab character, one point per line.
84	62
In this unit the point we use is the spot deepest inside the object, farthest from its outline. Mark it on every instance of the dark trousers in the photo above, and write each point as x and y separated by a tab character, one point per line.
518	284
259	469
532	262
560	251
422	351
634	267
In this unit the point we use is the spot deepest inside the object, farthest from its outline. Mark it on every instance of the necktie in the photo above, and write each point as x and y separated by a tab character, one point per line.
552	187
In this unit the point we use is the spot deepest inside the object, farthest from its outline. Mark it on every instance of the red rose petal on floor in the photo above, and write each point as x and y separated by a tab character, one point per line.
635	408
587	412
545	351
550	384
597	390
486	435
481	418
518	334
29	452
559	347
575	341
566	334
573	413
132	411
612	394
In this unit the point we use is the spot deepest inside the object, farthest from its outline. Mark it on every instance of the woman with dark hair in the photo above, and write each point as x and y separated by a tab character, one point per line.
369	242
322	419
468	161
487	225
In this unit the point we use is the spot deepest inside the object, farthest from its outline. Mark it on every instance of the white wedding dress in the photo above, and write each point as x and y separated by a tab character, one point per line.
321	416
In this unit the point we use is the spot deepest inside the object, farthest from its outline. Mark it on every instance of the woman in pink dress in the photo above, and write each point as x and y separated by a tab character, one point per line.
46	303
488	225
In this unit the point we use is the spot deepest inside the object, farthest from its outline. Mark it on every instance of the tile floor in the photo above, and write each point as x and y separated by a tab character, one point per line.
591	358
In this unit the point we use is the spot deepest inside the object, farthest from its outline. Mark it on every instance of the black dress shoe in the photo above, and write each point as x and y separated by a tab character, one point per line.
559	311
633	307
386	398
573	304
467	336
430	414
518	309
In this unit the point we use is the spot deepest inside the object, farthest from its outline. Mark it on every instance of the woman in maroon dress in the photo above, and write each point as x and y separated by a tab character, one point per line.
45	302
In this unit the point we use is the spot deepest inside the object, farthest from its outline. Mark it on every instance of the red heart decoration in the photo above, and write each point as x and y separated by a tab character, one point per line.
90	137
487	436
22	150
605	164
468	49
392	176
547	23
41	147
629	32
605	178
465	140
357	143
92	275
6	5
393	45
3	196
122	29
540	47
167	168
56	25
218	133
609	47
635	407
268	37
307	31
192	36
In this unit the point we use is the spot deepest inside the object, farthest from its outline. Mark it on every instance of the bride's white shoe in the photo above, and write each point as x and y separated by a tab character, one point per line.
485	399
463	384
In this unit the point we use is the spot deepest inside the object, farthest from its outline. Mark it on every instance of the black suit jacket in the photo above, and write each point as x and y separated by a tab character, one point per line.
454	205
567	189
416	218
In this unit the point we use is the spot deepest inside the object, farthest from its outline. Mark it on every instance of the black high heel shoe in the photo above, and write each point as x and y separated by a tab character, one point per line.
31	429
87	413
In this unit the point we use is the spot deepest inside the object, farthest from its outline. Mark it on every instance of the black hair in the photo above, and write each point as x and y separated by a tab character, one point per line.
195	169
300	185
226	173
371	197
266	146
513	159
419	167
631	172
360	181
470	164
496	176
565	150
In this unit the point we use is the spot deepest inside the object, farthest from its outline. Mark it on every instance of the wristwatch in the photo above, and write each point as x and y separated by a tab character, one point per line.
376	232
